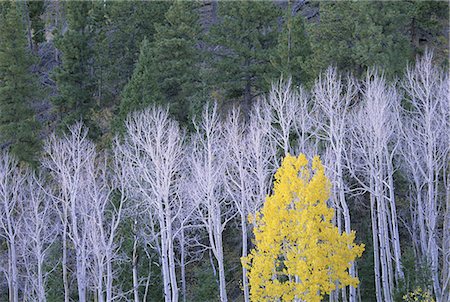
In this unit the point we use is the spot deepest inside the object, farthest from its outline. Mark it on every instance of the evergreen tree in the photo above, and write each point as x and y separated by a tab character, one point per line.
121	28
355	35
142	89
74	77
244	41
167	71
177	58
18	85
293	48
299	253
427	19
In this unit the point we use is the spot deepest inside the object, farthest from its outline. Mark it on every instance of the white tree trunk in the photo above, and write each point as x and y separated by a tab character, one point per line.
244	254
135	268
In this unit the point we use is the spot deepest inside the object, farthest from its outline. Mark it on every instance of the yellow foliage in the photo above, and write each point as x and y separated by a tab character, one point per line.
418	295
299	253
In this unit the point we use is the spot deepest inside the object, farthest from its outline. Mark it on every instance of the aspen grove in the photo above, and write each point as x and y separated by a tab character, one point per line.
133	220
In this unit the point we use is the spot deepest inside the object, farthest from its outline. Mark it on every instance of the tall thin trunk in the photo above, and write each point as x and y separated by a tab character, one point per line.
165	262
14	281
41	289
109	278
376	250
100	282
222	282
446	246
221	268
135	269
421	220
346	215
183	265
395	235
81	275
147	282
383	256
171	255
64	264
244	254
431	224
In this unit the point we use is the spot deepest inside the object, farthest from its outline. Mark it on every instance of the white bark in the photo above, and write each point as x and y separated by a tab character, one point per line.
238	181
40	228
11	202
207	161
154	150
333	97
68	159
284	104
426	124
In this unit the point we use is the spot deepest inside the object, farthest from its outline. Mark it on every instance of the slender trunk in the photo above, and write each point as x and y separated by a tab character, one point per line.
135	268
431	224
147	282
219	257
395	235
387	244
14	285
421	221
244	254
109	278
211	261
346	214
171	257
100	282
164	262
376	250
41	289
81	275
446	246
222	282
383	256
183	266
64	264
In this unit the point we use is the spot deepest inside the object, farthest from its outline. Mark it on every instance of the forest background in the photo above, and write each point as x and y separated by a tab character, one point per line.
99	61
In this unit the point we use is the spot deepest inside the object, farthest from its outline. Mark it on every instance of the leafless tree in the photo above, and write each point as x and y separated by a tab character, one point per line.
189	230
208	161
425	125
68	159
333	97
155	151
12	198
107	192
238	181
373	144
40	227
261	156
283	107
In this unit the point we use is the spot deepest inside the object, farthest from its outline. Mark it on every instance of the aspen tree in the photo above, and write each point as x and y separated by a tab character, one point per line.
299	255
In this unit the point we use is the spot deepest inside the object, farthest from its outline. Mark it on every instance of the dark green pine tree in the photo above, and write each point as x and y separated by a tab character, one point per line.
293	48
427	19
18	86
121	27
75	77
167	71
355	35
177	58
142	89
243	43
